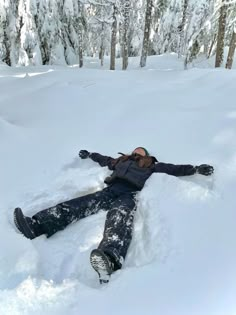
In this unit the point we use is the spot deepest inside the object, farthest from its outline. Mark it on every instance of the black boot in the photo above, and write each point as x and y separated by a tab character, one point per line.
102	264
27	226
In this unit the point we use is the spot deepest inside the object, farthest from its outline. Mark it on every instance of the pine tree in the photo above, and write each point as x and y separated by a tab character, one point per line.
52	50
135	27
29	53
160	6
68	11
4	40
100	27
168	30
198	30
12	31
181	28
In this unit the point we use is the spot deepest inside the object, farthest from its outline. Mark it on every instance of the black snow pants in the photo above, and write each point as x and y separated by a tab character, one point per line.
120	207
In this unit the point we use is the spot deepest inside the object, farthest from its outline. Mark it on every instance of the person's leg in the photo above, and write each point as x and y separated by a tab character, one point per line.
26	225
118	229
56	218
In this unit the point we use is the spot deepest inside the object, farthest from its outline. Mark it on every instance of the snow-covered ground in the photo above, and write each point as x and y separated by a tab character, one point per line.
183	255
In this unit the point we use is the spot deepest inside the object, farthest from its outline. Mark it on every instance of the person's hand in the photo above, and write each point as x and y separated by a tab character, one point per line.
205	169
84	154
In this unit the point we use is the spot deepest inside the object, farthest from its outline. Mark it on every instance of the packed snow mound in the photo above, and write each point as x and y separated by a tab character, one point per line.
182	257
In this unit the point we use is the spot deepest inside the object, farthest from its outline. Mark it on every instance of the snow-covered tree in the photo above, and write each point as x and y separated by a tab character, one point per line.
50	29
231	49
147	31
9	33
135	32
221	33
100	22
29	51
160	7
4	39
80	26
182	27
125	29
167	38
113	37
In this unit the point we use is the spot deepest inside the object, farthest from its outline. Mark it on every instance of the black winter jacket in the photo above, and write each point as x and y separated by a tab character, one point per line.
130	172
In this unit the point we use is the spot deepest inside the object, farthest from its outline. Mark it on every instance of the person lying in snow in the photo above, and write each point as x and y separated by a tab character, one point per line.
130	173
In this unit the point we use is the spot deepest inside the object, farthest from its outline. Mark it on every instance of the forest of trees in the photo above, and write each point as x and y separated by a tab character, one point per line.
35	32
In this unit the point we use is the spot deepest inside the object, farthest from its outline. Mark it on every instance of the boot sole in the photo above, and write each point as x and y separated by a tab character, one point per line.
22	224
101	265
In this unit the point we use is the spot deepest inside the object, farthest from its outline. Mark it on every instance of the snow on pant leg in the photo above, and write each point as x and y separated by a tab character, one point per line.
56	218
118	228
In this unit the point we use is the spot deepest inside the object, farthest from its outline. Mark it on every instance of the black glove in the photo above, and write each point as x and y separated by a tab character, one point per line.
204	169
84	154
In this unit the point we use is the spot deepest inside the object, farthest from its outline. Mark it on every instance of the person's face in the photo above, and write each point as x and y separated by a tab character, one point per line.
139	151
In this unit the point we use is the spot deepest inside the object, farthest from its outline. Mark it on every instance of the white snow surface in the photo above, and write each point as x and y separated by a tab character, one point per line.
182	257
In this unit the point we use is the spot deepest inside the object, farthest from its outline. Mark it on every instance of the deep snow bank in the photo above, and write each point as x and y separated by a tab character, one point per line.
182	257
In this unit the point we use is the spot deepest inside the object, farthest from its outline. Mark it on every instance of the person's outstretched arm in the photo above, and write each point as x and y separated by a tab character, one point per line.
102	160
183	170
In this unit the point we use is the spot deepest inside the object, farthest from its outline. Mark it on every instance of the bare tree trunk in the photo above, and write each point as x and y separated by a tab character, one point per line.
231	51
113	39
81	60
181	29
7	58
206	46
80	35
211	47
147	29
221	35
101	54
102	49
125	35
